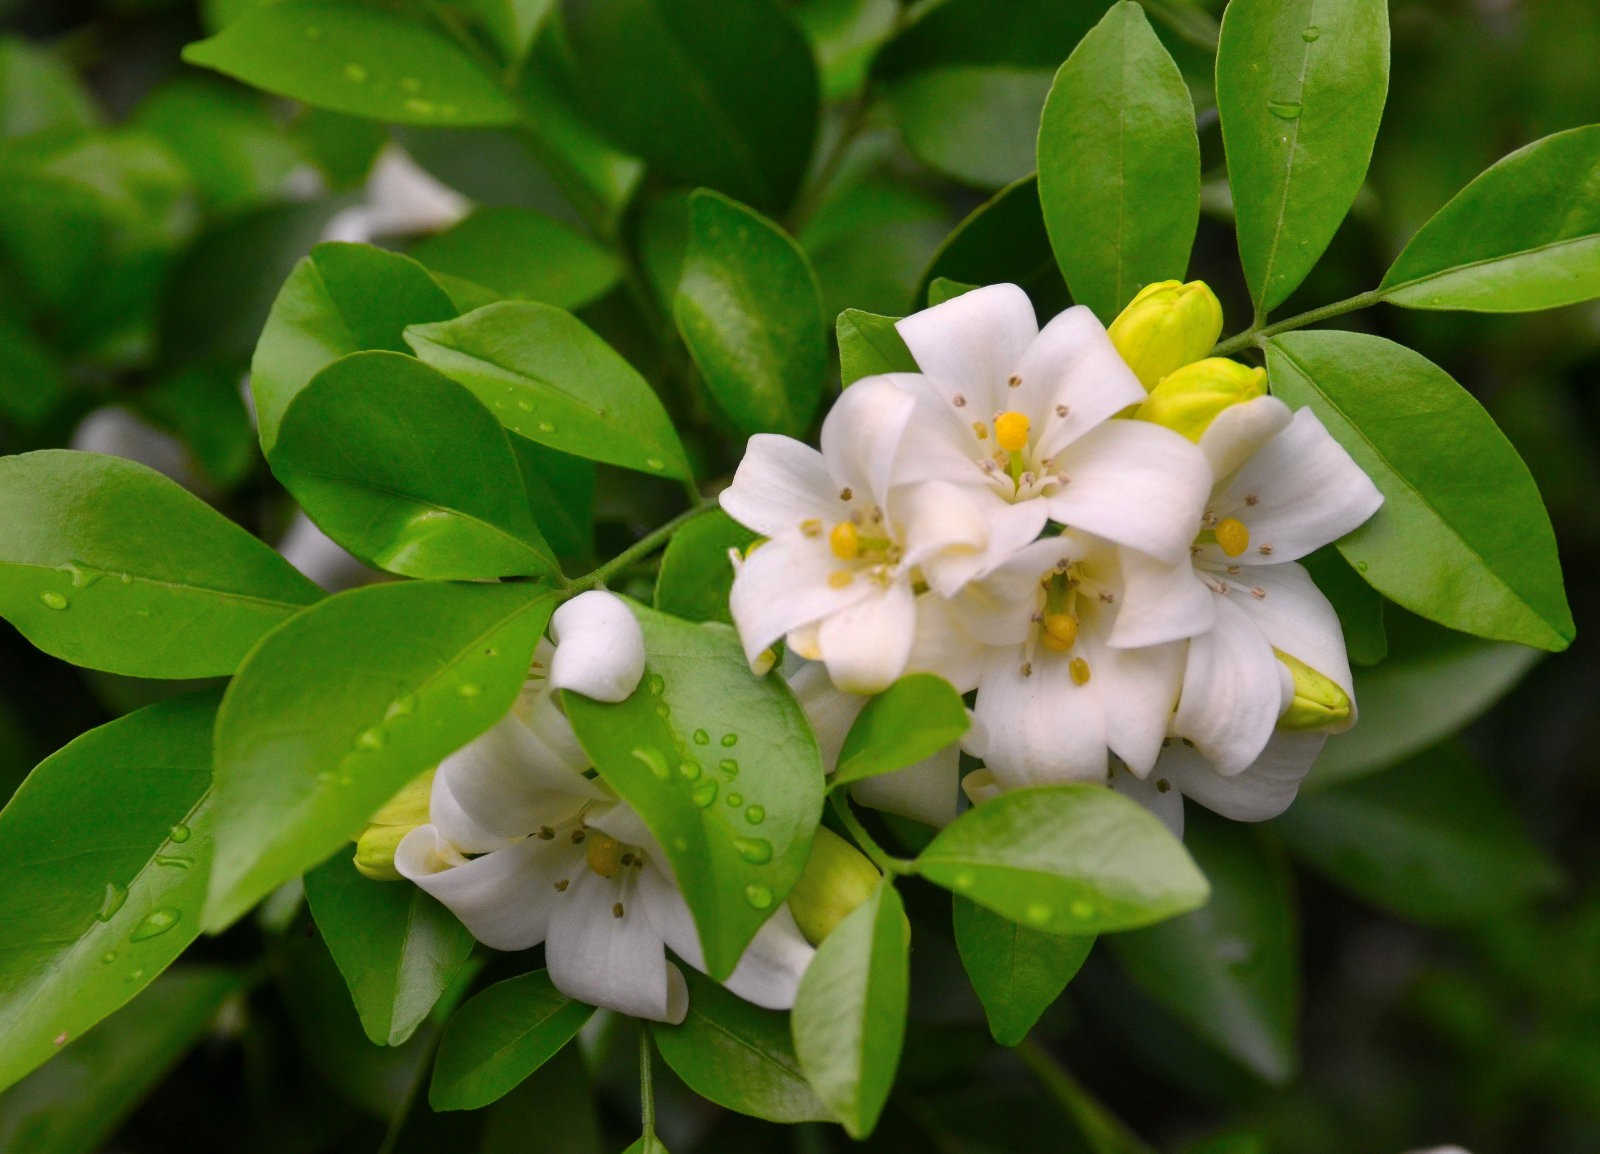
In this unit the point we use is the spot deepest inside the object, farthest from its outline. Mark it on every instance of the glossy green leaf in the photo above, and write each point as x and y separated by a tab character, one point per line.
913	719
334	712
844	34
548	378
1066	859
738	1055
1119	164
1230	970
339	299
1525	235
74	1104
520	254
870	344
1463	538
1359	606
396	947
1003	240
108	564
722	767
722	95
103	856
356	59
871	236
1300	87
1434	840
560	491
942	289
202	405
696	574
1016	972
750	311
499	1037
976	123
850	1010
406	470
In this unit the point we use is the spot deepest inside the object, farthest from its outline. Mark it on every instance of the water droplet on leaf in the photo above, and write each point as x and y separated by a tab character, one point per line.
653	761
1311	34
468	689
400	707
656	684
370	739
115	895
755	815
1284	109
755	850
704	794
729	766
736	799
53	600
729	740
1038	913
172	860
701	737
758	896
689	770
1082	909
179	833
155	923
354	72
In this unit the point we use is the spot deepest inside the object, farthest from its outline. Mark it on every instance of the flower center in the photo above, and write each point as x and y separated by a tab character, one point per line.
1067	593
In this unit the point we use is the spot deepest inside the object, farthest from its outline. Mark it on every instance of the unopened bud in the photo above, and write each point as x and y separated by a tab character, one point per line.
1168	325
836	880
1189	399
400	815
1319	702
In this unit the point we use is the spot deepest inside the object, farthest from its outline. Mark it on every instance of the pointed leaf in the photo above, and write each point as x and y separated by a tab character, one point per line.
696	573
913	719
517	253
869	344
1016	972
499	1037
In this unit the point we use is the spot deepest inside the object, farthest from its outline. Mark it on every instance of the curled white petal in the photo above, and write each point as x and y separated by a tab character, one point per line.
599	647
1234	688
1263	790
499	897
779	483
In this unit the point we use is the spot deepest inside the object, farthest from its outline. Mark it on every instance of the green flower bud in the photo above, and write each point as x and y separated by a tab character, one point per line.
1319	702
1168	325
403	812
836	880
1189	399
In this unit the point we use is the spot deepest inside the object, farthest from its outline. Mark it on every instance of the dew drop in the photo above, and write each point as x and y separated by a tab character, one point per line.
656	684
354	73
420	107
1038	913
1361	566
137	975
729	766
1284	109
125	578
755	850
546	427
663	709
962	881
736	799
179	833
701	737
655	463
53	600
155	923
468	689
654	762
680	844
400	707
704	793
172	860
689	770
115	895
755	815
370	739
729	740
82	576
1311	34
759	896
108	957
1082	909
525	406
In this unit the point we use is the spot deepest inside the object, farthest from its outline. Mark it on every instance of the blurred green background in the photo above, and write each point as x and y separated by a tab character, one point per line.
149	212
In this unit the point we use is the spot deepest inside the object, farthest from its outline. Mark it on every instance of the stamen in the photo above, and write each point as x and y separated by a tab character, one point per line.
546	833
811	527
1162	784
845	494
1011	431
959	401
1079	670
1232	536
980	430
840	579
561	886
845	541
1252	500
604	855
1014	381
616	910
1258	593
1265	550
577	837
1062	410
1027	669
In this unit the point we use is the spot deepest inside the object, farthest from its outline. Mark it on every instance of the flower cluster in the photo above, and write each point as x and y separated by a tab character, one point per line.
1095	530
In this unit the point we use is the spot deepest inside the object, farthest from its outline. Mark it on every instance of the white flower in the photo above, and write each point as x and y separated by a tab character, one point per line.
525	848
401	199
1021	417
835	575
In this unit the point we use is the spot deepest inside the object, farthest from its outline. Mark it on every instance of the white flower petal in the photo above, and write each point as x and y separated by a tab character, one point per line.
599	647
1138	689
1307	491
939	443
1294	616
1160	602
866	646
1239	430
1166	804
975	341
1262	791
1233	691
783	585
621	821
322	559
861	436
1073	366
455	824
998	609
943	646
505	783
955	534
504	898
605	960
926	791
1136	484
779	483
830	711
1039	728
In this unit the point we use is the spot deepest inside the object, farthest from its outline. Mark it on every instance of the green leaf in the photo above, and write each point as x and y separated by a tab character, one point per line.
1300	87
355	59
1016	972
203	406
103	856
870	344
1463	538
750	311
723	95
1524	235
647	1144
1004	239
870	238
850	1010
40	94
227	139
74	1104
1119	164
1434	840
695	571
913	719
107	564
512	23
499	1037
976	123
942	289
560	491
1067	859
339	299
398	949
1359	606
1232	969
32	380
722	767
550	379
521	254
346	703
1025	33
738	1055
405	469
557	1103
844	34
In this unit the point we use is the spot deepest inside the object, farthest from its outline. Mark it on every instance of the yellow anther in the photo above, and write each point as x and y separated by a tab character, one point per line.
1060	631
1232	536
844	541
1079	669
840	579
811	527
604	854
1011	431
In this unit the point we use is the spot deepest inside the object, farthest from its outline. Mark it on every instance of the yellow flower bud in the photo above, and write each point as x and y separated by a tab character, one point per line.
403	812
1318	703
1189	399
1168	325
836	880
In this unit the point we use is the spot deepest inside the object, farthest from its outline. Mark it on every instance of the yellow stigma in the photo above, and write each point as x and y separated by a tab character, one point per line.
1079	670
1060	631
1011	431
844	541
604	854
1232	537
